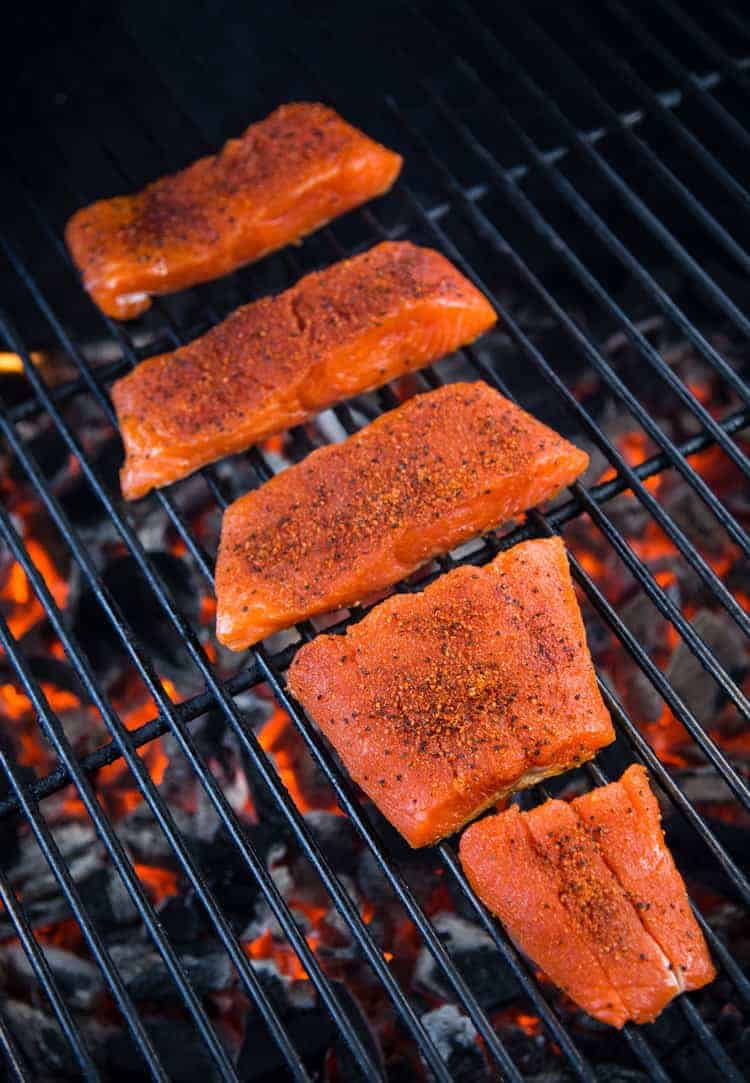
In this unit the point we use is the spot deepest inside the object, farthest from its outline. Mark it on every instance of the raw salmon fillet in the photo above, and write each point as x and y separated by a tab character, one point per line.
442	703
641	861
285	177
356	517
278	361
589	891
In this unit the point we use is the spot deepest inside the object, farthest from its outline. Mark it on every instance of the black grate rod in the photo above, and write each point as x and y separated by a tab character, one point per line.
727	961
710	1043
192	708
34	953
735	874
14	1059
248	742
727	63
49	848
690	86
348	802
55	733
734	19
634	203
674	533
735	781
161	813
275	901
597	225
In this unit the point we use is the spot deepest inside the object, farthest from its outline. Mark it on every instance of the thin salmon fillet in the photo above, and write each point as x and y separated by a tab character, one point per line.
502	865
641	861
285	177
589	891
356	517
278	361
439	704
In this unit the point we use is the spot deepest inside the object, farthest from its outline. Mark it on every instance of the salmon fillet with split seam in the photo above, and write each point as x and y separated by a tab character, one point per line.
589	891
356	517
440	704
285	177
280	360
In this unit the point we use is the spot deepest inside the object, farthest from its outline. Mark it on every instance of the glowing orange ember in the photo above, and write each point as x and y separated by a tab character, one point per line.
634	447
287	963
278	738
20	605
12	362
160	883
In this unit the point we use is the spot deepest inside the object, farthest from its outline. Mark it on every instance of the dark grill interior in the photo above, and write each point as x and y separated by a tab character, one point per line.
161	820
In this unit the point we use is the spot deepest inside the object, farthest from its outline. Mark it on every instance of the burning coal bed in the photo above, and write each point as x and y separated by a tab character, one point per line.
276	965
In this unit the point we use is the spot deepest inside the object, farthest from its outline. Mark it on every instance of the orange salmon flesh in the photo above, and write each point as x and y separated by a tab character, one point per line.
285	177
590	892
442	703
278	361
356	517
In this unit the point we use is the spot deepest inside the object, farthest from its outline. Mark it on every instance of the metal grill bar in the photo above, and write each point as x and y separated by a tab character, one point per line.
254	751
635	1040
453	189
42	970
477	1015
737	877
195	706
629	197
431	938
174	719
54	859
602	605
639	570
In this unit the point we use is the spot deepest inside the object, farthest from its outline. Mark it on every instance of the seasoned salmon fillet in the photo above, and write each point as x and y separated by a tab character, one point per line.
641	861
356	517
278	361
285	177
589	891
440	704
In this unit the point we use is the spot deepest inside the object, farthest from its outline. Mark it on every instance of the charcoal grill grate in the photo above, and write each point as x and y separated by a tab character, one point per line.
482	62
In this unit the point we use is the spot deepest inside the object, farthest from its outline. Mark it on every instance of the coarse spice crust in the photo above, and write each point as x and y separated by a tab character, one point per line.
442	703
354	518
286	176
280	360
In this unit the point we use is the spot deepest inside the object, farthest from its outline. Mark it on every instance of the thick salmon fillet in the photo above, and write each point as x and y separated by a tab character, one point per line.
641	861
442	703
285	177
278	361
356	517
589	891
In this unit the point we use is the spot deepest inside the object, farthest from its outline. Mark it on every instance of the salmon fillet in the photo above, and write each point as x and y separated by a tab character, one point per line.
356	517
589	891
285	177
278	361
440	704
641	861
